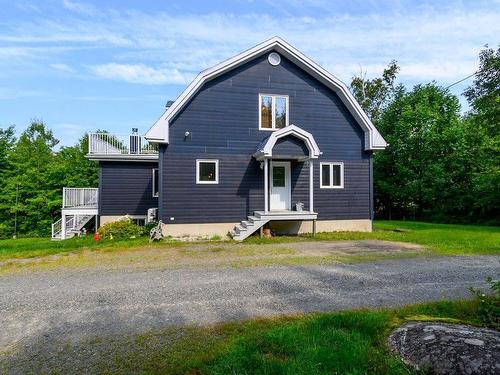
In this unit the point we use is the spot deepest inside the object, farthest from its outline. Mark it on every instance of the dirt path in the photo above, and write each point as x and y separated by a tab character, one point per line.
218	255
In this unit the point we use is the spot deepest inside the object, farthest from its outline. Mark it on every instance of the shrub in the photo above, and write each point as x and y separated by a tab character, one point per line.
489	304
147	227
121	229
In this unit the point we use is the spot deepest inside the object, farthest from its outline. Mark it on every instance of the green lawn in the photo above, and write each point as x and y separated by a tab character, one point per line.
351	342
442	239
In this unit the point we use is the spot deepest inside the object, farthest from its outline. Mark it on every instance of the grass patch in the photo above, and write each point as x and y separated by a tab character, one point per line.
443	239
350	342
438	239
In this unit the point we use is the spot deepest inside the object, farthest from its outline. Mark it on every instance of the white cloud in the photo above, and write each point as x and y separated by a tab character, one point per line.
428	42
139	73
79	7
62	67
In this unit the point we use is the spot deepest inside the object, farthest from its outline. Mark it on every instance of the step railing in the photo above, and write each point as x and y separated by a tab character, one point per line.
57	229
80	197
74	224
119	144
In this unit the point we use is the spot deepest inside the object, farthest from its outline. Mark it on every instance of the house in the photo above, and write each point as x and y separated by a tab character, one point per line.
267	137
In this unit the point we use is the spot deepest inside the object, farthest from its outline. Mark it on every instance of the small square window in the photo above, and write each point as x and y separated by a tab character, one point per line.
273	111
332	175
155	182
207	171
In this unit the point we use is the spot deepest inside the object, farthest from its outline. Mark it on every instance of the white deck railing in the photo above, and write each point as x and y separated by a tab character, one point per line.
116	144
80	197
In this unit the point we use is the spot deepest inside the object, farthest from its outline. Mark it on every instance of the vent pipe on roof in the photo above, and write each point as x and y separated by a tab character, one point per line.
169	103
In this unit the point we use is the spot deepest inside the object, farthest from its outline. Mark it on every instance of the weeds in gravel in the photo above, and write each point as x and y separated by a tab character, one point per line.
350	342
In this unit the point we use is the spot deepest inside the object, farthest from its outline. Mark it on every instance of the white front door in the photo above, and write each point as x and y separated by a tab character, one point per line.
280	186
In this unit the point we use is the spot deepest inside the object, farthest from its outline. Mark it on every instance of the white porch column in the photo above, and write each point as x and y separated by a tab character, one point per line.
311	186
266	185
63	227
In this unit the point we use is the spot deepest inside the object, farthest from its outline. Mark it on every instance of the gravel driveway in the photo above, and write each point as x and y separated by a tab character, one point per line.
71	305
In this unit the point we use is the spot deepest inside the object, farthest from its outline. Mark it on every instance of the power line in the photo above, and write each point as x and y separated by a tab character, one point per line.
463	79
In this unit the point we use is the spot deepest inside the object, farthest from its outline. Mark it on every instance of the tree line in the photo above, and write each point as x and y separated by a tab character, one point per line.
440	165
32	175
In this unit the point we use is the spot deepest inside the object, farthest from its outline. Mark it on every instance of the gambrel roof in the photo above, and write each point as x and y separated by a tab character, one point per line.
158	133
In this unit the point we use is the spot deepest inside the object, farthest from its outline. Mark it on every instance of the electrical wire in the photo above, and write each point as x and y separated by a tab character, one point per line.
463	79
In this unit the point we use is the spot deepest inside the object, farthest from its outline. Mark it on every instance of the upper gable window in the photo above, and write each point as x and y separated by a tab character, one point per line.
273	111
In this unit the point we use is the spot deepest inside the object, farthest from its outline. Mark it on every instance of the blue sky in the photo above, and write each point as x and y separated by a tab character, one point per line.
86	65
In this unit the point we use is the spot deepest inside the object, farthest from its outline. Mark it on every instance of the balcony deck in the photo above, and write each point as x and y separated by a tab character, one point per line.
107	146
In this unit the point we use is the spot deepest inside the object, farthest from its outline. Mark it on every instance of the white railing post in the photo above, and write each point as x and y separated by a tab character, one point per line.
311	186
266	185
63	227
116	144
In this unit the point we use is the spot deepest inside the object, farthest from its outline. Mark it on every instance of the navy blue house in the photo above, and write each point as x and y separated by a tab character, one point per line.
267	137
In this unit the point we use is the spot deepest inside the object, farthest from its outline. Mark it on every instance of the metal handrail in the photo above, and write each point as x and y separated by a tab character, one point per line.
119	144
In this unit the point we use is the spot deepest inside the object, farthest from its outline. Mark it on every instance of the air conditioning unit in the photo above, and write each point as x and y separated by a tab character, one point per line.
152	215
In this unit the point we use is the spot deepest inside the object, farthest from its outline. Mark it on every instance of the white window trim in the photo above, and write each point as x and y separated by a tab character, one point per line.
153	186
330	183
273	109
198	161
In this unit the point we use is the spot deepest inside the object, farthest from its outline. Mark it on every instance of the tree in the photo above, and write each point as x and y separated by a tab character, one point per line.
483	132
7	142
374	95
73	169
28	182
416	176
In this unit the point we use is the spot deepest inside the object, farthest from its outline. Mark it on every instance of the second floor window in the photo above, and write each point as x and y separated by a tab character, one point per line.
273	111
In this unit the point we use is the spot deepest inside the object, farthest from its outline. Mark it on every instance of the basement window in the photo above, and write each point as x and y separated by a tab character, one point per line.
332	175
273	111
207	171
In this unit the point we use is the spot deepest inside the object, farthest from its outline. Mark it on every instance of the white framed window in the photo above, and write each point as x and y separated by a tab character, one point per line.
331	175
207	171
273	111
155	182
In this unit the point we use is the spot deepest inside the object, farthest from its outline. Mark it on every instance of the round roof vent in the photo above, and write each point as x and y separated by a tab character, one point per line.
274	58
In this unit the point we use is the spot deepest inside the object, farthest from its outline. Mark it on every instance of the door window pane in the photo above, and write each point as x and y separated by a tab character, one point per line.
266	112
278	176
325	175
280	112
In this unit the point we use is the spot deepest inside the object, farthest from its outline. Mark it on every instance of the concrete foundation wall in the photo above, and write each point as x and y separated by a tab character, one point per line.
198	230
298	227
279	227
104	219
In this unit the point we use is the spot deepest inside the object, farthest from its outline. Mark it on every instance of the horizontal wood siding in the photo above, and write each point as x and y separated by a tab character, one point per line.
223	122
300	184
238	193
290	146
126	188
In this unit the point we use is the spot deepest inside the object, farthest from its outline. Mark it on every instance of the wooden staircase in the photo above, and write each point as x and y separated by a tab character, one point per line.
74	226
248	227
78	208
253	223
